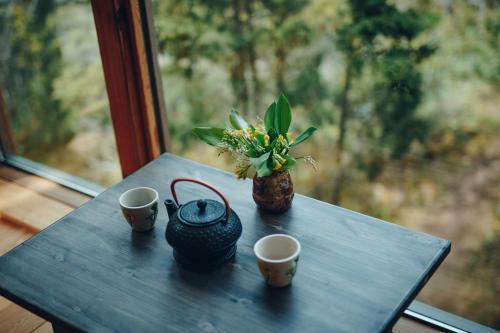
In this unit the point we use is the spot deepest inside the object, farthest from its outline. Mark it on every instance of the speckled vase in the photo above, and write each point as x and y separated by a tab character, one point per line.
273	193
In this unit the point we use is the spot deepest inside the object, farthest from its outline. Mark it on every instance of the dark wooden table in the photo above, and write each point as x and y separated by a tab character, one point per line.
89	272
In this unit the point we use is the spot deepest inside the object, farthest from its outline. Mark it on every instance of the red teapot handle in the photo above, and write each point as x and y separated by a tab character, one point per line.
192	180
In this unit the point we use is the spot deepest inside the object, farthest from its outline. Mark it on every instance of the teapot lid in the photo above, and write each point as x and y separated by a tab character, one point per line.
201	213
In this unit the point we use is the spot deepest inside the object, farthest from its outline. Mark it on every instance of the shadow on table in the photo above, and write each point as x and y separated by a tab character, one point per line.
278	301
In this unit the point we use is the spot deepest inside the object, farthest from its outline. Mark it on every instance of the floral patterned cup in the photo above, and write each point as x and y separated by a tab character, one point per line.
140	207
277	258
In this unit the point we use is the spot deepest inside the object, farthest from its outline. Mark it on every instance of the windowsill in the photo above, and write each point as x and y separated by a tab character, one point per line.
62	178
435	317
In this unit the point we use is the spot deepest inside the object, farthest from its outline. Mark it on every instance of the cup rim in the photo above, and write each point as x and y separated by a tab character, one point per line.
122	196
277	261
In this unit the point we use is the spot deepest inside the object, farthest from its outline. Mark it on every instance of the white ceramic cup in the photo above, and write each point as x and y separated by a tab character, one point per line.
277	258
140	207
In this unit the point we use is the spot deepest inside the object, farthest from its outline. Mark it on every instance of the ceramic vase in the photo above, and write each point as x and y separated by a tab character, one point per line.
273	193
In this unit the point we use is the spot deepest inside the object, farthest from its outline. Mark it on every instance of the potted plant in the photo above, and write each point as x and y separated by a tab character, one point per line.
266	147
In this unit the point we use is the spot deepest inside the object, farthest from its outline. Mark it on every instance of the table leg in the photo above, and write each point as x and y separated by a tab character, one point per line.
59	329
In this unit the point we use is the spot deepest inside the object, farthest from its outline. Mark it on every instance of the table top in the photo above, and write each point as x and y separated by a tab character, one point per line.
89	272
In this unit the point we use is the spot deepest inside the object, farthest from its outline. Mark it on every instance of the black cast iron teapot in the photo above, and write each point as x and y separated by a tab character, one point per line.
202	232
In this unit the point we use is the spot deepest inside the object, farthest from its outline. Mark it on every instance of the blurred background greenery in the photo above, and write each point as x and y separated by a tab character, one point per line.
405	94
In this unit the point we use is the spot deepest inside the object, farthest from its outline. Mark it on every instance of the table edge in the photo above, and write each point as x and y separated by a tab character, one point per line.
37	310
421	282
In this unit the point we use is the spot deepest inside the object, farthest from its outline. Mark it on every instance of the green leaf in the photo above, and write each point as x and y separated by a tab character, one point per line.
290	162
264	170
272	135
251	152
304	136
211	135
260	138
269	117
282	116
237	121
260	164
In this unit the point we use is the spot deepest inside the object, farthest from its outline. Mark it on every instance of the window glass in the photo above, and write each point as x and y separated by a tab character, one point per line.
53	98
416	84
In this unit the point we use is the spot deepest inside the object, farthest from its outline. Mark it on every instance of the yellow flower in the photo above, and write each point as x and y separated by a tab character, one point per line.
290	136
266	137
256	132
251	136
277	166
249	130
280	138
238	174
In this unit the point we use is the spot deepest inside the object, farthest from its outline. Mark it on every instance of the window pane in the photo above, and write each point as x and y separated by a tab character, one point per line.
55	108
416	84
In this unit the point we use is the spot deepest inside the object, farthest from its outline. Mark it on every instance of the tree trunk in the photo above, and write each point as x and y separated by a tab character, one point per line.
252	58
257	89
345	108
281	55
6	134
238	82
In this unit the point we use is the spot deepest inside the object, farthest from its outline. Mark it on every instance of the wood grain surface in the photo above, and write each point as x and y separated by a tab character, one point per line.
43	187
14	319
89	272
25	207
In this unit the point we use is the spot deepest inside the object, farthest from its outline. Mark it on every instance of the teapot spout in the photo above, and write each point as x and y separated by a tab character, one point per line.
171	207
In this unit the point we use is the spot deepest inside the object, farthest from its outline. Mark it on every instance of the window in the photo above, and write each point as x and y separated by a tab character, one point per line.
416	85
54	107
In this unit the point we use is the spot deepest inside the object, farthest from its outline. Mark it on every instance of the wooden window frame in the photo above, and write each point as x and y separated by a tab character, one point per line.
127	45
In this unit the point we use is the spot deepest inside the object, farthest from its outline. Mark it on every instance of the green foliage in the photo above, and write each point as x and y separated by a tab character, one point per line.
266	147
282	115
237	121
261	164
269	117
232	33
211	135
290	163
304	136
399	93
34	62
380	41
